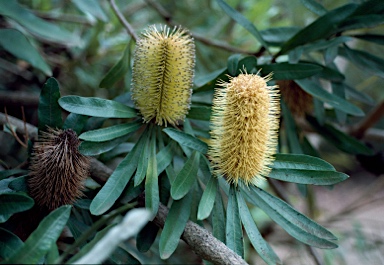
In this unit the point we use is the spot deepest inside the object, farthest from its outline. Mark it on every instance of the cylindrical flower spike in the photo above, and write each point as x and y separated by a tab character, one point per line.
57	169
163	71
298	101
244	134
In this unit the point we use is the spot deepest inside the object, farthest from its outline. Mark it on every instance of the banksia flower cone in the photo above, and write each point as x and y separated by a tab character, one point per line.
57	170
245	121
163	70
298	101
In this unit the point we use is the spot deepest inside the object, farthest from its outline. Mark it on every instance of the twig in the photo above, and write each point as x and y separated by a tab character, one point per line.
63	17
123	21
19	125
13	132
360	130
10	98
200	240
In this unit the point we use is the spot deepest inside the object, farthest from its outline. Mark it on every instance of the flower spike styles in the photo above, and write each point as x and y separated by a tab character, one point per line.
244	134
163	71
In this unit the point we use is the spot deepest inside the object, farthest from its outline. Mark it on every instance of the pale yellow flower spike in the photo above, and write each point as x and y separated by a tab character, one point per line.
245	122
163	71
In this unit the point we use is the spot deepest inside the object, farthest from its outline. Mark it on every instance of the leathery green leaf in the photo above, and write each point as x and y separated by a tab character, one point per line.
96	107
143	163
287	71
116	183
110	133
174	225
152	198
187	140
302	176
12	203
219	218
296	224
258	242
41	240
186	177
306	162
49	111
9	243
95	148
208	199
234	232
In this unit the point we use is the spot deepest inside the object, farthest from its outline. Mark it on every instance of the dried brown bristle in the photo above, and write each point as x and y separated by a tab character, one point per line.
57	169
298	101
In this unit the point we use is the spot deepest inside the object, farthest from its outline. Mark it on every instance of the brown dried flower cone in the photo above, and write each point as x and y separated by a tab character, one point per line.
57	169
298	101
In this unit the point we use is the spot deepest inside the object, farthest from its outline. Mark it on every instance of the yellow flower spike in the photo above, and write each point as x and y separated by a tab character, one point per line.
244	134
163	71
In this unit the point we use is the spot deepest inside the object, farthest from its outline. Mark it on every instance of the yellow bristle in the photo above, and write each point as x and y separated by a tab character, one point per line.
163	73
245	122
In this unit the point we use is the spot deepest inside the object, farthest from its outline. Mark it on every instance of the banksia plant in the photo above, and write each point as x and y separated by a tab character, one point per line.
57	169
244	134
162	77
298	101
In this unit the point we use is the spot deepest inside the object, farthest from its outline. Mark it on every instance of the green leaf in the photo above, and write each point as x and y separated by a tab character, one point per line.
365	60
41	240
174	226
208	199
332	75
186	177
304	176
9	244
286	71
12	203
37	26
146	237
318	92
91	8
369	7
321	28
12	172
49	111
261	246
279	35
95	148
339	139
362	21
142	166
199	113
239	18
152	197
375	38
305	162
75	122
164	158
358	95
19	184
117	71
16	43
315	7
233	64
218	218
234	232
296	224
96	107
121	256
110	133
116	183
291	130
339	90
187	140
209	81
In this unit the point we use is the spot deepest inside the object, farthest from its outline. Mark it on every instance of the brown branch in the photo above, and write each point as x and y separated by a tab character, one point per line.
123	21
202	242
373	117
19	125
19	98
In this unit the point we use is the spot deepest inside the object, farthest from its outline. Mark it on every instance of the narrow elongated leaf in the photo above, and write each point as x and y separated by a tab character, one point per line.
95	148
321	28
262	247
208	82
174	226
186	177
41	240
36	25
362	21
146	237
200	113
49	111
317	91
291	130
91	7
296	224
365	60
358	95
96	107
187	140
339	139
233	228
286	71
116	183
117	71
315	7
75	122
305	162
233	64
339	90
9	243
12	203
110	133
19	184
12	172
279	35
303	176
219	218
208	199
164	158
375	38
152	198
239	18
16	43
142	166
